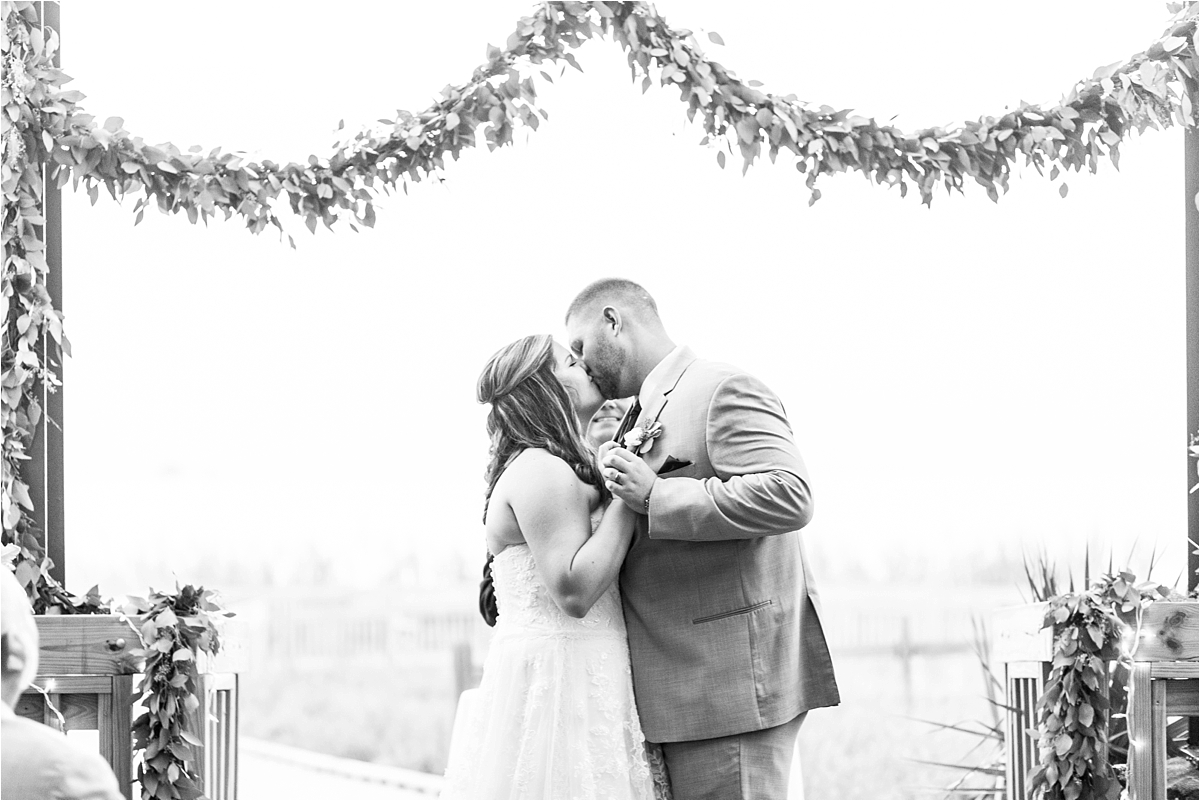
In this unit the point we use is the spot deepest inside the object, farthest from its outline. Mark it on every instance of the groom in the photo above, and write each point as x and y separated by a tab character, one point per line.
727	648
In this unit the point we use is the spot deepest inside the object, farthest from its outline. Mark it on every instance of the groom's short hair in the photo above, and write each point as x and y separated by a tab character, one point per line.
614	292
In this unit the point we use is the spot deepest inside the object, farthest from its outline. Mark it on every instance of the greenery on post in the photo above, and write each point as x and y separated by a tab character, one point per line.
33	117
175	629
1087	685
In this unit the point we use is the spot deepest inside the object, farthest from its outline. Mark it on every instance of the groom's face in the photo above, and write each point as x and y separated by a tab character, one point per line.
594	343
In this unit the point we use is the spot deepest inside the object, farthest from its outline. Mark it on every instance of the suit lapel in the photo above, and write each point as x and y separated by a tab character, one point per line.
670	379
656	403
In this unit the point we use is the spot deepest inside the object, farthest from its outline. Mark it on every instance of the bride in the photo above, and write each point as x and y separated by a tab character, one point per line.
554	716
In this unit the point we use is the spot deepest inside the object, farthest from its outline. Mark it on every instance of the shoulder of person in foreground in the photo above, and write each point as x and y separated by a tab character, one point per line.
40	762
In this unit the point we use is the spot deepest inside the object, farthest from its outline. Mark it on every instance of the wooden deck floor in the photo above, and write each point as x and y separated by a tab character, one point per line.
269	771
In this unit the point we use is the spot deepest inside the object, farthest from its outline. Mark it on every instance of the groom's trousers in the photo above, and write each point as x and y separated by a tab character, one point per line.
755	764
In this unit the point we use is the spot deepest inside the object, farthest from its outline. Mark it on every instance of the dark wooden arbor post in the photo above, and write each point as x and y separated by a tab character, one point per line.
1191	216
44	471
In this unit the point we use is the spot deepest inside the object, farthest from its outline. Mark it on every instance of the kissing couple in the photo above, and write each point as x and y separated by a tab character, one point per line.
657	632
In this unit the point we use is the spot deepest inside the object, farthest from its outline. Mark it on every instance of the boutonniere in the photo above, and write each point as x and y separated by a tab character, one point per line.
641	438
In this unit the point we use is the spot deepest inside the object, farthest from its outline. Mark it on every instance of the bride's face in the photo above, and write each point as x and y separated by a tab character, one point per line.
580	388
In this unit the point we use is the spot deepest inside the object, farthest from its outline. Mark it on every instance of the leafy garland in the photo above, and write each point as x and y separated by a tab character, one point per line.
49	128
175	629
1074	711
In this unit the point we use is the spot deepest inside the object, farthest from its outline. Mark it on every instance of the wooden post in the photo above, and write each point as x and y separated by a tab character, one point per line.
904	650
462	668
122	721
216	724
1191	225
44	471
1191	217
1026	648
1141	745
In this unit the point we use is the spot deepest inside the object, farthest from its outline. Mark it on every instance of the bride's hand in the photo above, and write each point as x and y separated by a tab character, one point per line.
604	448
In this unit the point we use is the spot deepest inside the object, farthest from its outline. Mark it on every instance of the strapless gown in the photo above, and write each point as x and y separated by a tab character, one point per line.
554	715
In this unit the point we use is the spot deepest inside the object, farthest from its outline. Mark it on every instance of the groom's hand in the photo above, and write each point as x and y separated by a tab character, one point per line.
627	477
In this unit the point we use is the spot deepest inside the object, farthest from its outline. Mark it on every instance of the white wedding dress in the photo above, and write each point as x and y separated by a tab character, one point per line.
554	716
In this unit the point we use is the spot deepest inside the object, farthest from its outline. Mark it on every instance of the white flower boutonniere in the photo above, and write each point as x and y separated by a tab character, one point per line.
641	438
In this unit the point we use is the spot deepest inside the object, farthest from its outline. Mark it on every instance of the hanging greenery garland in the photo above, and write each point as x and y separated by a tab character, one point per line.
45	126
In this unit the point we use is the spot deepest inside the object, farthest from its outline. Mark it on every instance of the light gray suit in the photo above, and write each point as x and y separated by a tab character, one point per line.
39	762
722	614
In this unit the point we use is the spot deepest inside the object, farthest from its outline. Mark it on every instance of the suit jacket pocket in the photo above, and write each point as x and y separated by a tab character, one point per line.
743	611
672	464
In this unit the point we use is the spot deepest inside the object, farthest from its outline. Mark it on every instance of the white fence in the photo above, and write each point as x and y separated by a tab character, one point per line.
341	627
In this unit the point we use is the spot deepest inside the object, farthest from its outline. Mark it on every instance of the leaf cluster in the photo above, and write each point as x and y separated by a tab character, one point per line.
174	629
1147	90
1073	715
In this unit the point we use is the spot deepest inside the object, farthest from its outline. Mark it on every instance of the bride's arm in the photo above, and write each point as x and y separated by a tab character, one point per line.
551	507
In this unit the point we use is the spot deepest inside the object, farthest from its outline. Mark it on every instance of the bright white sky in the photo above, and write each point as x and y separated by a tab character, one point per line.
962	381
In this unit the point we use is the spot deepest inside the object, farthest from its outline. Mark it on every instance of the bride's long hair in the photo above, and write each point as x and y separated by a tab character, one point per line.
530	409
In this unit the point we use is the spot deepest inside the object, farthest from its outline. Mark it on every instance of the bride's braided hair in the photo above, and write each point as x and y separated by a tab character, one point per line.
530	409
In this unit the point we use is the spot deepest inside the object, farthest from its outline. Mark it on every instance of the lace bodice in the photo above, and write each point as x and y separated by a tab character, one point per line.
554	715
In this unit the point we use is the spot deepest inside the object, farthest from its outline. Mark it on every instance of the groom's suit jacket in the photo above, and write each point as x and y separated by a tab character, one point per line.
724	630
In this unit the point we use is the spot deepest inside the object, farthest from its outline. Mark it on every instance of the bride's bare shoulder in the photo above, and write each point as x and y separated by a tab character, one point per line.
540	468
534	480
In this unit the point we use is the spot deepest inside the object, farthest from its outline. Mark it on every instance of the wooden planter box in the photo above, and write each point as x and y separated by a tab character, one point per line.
1163	683
80	644
88	662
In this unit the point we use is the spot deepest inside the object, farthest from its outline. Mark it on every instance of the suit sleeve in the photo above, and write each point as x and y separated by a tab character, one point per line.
89	777
760	487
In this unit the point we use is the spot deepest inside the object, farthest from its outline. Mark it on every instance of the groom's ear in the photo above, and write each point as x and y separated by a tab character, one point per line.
612	318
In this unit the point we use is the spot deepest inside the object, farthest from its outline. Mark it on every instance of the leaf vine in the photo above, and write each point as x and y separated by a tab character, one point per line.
175	628
1073	714
28	88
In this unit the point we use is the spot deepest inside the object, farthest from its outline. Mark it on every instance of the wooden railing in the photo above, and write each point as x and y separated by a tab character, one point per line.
1163	684
87	672
89	703
218	715
1026	650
